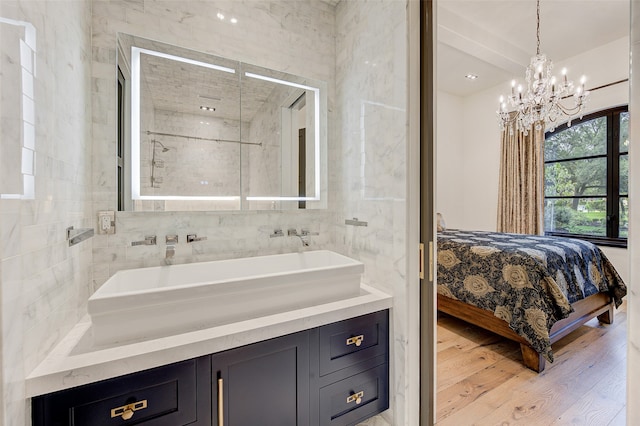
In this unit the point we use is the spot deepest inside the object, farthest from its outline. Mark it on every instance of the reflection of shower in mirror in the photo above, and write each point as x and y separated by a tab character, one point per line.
164	148
156	163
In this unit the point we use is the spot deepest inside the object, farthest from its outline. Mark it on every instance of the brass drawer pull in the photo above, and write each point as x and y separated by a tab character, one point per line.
357	397
127	411
355	340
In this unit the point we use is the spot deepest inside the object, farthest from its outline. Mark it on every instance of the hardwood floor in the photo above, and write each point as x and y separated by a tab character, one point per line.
481	379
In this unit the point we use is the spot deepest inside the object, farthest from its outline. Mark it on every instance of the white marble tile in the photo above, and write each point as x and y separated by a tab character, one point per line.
371	122
44	282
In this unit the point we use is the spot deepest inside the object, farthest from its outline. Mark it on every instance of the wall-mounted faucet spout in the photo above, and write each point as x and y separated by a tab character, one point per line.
303	235
169	254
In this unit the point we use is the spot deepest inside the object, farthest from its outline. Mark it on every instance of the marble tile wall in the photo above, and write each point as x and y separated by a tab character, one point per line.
371	82
44	283
633	297
262	172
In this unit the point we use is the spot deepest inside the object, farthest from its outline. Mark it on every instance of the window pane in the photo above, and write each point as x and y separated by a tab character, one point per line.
580	140
623	227
585	216
624	174
576	178
624	132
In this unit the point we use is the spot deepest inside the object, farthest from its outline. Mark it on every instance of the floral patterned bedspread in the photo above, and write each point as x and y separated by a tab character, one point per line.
529	281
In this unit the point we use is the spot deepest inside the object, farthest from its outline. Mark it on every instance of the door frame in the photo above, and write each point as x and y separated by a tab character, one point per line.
427	229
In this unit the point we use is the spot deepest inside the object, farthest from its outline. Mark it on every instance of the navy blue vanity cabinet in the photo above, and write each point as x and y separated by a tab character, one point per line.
265	383
173	395
351	366
336	374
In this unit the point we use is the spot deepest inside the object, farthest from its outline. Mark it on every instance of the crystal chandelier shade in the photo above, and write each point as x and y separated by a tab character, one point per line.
546	100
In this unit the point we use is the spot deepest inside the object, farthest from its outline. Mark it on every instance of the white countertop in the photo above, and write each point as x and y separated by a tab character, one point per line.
69	365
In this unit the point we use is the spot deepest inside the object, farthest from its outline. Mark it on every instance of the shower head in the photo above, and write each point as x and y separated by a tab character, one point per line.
164	148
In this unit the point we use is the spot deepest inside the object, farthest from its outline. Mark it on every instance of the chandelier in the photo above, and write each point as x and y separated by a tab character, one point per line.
546	99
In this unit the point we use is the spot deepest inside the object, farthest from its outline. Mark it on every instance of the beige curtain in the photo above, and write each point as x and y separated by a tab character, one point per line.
520	197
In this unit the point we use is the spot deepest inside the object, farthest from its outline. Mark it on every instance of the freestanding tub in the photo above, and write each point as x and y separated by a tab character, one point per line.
145	303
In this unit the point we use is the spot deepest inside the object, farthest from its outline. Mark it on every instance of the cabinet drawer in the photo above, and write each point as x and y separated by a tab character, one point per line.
160	396
349	342
356	398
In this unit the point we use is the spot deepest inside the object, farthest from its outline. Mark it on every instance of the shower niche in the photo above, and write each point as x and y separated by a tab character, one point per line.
203	132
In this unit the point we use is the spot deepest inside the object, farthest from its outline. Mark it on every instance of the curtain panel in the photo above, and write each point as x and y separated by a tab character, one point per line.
520	193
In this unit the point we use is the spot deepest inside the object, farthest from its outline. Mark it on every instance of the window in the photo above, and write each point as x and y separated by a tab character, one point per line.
586	178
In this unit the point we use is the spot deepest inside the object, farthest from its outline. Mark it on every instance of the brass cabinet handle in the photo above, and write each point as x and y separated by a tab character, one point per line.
220	403
127	411
357	397
355	340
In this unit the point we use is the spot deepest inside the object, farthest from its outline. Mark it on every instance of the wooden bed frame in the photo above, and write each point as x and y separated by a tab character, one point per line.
598	305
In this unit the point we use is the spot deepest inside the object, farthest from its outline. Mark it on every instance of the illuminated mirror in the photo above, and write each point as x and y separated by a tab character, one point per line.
201	132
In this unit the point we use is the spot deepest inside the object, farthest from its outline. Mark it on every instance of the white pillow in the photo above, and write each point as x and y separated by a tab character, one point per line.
441	225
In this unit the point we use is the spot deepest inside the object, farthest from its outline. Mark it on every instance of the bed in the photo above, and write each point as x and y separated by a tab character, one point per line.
528	288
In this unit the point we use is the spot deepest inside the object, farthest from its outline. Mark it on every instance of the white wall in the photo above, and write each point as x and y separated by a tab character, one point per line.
478	146
450	201
44	283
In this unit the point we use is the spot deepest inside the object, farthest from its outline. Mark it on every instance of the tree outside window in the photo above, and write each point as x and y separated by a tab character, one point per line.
586	178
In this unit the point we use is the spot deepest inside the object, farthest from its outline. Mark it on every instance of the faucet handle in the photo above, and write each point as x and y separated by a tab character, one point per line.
307	232
171	239
149	240
277	233
192	238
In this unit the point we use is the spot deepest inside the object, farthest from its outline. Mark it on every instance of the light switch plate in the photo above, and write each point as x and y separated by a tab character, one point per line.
107	222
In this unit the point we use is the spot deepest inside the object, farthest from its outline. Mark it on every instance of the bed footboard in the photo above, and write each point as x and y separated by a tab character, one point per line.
598	305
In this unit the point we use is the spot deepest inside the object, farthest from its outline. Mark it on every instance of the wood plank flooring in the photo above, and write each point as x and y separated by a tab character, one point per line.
481	379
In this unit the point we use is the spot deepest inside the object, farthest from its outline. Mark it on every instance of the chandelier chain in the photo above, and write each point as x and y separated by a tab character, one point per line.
538	28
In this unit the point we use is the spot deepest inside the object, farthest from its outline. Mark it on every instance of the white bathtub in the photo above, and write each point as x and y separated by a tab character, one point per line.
140	304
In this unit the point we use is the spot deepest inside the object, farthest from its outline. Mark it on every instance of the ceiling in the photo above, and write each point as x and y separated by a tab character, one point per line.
495	39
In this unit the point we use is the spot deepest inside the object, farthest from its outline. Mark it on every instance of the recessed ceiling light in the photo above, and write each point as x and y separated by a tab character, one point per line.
234	20
471	76
207	108
220	16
